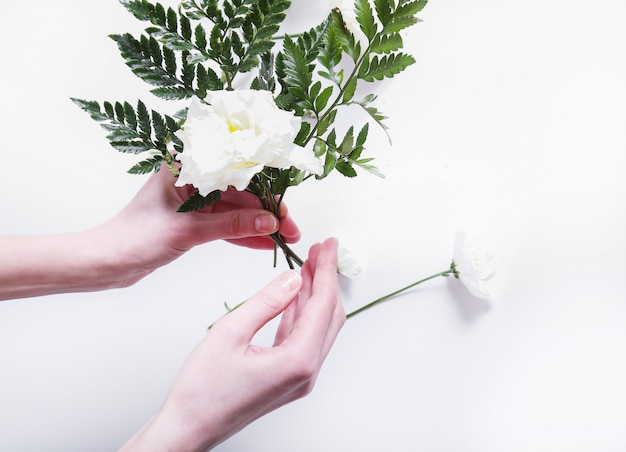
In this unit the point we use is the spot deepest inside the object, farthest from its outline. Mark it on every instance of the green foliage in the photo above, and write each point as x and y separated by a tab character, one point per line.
135	131
205	45
198	202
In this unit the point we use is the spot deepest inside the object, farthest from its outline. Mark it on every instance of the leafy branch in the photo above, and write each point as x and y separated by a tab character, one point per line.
135	131
205	45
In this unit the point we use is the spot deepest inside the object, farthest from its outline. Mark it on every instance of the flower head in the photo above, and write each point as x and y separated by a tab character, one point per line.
347	264
472	266
228	141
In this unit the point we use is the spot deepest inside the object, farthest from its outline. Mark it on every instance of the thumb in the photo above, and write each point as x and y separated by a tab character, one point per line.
266	304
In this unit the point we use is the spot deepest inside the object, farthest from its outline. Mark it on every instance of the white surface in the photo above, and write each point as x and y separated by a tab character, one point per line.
511	124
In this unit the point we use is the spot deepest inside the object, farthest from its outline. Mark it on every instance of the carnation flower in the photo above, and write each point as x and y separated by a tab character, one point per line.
228	141
472	266
347	264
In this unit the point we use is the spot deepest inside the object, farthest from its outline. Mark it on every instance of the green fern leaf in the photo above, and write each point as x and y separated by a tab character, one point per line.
198	202
383	11
345	168
143	66
365	18
92	108
399	23
172	92
150	165
132	146
385	67
369	168
386	43
141	9
145	127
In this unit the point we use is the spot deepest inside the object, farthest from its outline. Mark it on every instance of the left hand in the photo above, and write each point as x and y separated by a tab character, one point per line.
149	233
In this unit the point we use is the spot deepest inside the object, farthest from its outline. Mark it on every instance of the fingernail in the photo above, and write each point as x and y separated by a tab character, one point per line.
266	223
290	280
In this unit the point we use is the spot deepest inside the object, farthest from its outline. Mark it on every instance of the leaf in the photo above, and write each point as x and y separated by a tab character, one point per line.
365	18
383	11
92	108
348	142
399	23
170	39
130	116
172	92
385	67
386	43
132	146
349	90
145	127
160	128
141	9
326	121
303	134
345	168
322	100
319	148
362	137
329	163
142	65
330	53
410	8
198	202
378	117
150	165
369	168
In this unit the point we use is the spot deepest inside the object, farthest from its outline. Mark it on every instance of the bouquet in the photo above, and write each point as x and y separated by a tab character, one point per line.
257	108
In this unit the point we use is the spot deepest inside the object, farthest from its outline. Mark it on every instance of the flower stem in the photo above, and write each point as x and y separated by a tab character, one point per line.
290	255
445	273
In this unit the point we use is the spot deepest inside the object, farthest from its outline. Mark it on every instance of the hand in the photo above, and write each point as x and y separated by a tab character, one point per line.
149	233
145	235
227	383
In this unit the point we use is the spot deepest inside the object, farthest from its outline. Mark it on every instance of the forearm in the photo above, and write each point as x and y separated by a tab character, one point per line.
49	264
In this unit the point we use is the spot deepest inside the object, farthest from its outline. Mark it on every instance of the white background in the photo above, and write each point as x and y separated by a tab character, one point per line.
511	125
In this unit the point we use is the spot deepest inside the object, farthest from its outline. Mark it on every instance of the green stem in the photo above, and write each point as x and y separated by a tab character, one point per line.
289	35
290	256
445	273
342	90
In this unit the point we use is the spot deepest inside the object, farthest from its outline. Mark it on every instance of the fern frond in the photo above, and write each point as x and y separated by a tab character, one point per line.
198	202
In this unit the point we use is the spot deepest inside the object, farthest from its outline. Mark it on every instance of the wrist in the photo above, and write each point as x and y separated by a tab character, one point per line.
168	434
50	264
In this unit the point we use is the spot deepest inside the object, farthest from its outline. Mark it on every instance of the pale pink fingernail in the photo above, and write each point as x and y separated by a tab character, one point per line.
290	280
266	224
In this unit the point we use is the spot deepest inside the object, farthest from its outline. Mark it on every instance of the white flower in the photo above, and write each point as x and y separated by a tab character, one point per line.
472	266
347	264
227	142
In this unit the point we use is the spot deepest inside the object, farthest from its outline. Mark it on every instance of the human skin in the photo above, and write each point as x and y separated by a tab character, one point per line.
147	234
226	382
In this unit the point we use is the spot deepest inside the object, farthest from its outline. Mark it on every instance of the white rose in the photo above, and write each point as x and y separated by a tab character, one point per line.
472	266
228	141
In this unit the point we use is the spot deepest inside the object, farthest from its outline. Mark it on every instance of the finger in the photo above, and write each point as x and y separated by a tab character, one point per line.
237	199
319	321
262	307
326	287
337	322
290	314
288	228
261	242
307	284
234	224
